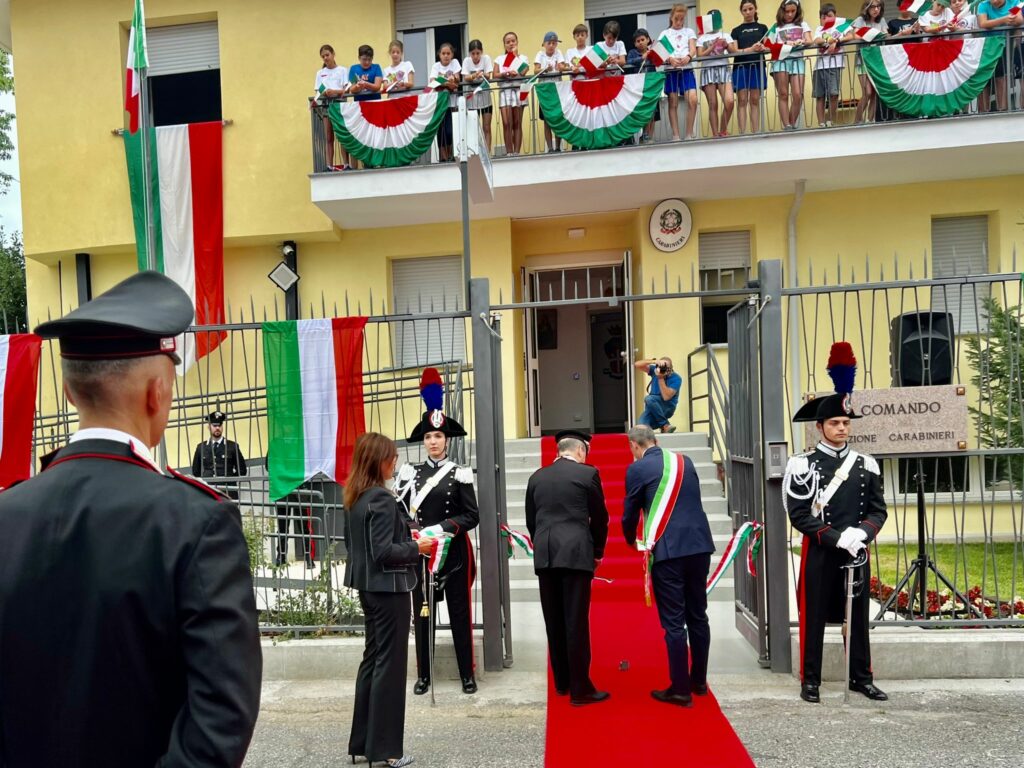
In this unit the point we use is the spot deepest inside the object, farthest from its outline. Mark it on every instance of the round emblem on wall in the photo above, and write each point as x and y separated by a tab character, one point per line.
436	419
671	224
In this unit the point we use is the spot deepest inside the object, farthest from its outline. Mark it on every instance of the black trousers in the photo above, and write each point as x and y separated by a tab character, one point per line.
458	574
565	601
679	590
300	515
821	592
378	715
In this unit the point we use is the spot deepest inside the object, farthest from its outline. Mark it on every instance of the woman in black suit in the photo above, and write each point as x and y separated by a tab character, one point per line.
382	558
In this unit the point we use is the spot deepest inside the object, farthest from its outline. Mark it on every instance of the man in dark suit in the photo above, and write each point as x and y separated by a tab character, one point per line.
568	521
682	557
219	457
128	623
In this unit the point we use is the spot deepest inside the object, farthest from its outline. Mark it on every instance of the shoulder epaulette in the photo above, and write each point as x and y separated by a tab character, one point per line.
871	464
406	472
798	464
464	475
198	484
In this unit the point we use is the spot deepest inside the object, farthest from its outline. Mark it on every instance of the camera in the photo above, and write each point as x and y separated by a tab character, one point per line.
664	369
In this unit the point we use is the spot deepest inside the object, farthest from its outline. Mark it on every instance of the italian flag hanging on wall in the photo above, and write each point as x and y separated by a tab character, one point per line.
389	133
188	215
314	375
600	113
935	78
19	373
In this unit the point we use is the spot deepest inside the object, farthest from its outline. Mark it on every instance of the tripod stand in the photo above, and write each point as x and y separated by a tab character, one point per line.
921	565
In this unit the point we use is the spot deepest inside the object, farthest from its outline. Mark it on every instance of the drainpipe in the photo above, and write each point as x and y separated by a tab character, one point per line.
794	313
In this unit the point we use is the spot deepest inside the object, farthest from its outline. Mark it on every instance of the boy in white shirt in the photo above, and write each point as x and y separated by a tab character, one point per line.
549	60
828	70
399	76
936	19
614	49
574	56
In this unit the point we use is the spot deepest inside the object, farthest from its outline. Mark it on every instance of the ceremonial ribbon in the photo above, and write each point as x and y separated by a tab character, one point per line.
513	538
439	552
750	534
656	519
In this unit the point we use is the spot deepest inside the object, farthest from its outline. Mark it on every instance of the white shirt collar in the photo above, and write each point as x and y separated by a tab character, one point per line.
833	452
439	463
568	457
116	436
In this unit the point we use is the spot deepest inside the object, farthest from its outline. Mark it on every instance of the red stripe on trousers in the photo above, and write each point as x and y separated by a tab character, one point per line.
206	161
21	380
801	602
470	575
348	378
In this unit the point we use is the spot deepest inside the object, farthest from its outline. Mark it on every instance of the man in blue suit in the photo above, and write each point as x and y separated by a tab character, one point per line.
682	559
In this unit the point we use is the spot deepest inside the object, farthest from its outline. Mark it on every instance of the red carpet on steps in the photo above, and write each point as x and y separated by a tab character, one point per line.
631	728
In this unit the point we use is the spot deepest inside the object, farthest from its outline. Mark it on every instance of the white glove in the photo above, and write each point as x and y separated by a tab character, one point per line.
854	547
849	536
432	530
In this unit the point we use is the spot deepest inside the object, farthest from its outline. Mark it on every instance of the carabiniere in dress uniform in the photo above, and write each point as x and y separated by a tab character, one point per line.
440	498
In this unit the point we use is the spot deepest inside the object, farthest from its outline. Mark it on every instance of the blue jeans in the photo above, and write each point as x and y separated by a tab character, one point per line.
657	411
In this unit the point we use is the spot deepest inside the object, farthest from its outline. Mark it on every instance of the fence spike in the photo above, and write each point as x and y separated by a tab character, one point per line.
347	313
276	315
666	277
312	311
867	267
252	307
323	304
895	265
924	259
839	269
810	272
693	273
359	308
500	300
335	308
1013	259
910	270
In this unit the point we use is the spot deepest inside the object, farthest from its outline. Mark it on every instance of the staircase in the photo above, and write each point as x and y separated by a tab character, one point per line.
522	459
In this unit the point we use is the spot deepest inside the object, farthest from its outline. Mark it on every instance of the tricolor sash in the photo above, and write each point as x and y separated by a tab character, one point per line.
657	517
439	553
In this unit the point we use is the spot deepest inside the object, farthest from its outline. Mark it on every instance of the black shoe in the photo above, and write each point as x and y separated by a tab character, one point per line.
468	685
870	690
591	698
422	686
809	693
281	560
561	691
701	690
667	697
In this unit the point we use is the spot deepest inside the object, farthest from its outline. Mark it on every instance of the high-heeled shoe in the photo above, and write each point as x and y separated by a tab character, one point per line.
400	762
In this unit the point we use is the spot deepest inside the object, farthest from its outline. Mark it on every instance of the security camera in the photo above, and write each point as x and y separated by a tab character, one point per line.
288	249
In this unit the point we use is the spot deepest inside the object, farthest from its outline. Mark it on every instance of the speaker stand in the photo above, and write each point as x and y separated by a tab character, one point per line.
919	568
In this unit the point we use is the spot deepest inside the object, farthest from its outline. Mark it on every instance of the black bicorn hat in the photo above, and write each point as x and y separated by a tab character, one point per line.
138	317
217	417
579	434
434	418
842	368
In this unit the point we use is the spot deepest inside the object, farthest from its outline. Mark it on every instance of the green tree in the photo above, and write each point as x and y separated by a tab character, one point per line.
6	120
13	303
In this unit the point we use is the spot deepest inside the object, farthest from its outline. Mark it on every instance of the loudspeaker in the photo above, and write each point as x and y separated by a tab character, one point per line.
921	349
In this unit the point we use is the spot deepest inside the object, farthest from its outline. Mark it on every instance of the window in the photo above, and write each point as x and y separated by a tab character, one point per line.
424	26
960	247
724	265
184	73
631	16
427	286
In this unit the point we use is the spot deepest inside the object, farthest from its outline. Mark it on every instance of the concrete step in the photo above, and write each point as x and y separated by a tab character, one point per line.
675	441
516	475
529	459
515	492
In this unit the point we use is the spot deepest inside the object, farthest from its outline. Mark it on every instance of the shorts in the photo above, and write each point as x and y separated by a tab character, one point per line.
789	66
749	77
680	81
826	82
714	75
509	97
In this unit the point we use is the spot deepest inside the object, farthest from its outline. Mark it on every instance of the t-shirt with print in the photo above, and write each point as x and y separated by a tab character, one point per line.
335	79
829	60
680	39
897	24
792	34
617	49
399	73
746	35
449	70
930	22
719	42
512	67
357	73
549	63
573	57
965	22
486	66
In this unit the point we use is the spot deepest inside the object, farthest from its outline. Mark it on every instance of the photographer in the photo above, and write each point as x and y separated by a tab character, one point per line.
663	393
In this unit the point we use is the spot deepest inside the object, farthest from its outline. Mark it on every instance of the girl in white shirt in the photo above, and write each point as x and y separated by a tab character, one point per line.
400	75
714	78
788	74
507	70
679	79
331	83
933	23
872	15
549	60
475	70
446	67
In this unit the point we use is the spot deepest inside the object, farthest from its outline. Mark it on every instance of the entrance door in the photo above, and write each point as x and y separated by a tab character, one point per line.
629	348
529	286
608	369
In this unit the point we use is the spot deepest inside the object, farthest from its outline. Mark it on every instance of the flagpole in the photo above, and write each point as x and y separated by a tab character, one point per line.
147	189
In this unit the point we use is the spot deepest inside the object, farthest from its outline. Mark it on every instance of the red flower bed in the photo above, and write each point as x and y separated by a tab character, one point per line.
941	604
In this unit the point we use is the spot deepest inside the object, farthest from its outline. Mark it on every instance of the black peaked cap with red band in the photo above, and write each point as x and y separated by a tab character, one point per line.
138	317
434	418
842	369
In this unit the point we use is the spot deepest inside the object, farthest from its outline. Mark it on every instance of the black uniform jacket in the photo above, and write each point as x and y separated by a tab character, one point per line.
452	504
859	501
382	556
222	459
566	516
128	625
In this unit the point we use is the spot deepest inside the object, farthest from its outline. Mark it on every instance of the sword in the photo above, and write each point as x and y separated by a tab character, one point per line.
431	612
856	562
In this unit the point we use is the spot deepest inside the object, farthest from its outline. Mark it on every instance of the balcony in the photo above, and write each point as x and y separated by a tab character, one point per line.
890	150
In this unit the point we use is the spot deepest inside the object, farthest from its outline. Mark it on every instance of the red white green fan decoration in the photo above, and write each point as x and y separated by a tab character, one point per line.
934	78
600	113
391	132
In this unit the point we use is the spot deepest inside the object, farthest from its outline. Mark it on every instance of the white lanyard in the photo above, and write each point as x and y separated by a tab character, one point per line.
428	486
837	480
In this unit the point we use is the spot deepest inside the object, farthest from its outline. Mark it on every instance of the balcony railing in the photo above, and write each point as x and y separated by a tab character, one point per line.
754	112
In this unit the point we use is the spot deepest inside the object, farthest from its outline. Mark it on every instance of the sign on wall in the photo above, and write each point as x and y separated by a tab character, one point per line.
905	420
670	225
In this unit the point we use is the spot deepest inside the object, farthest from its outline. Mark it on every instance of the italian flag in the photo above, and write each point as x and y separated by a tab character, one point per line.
314	376
709	22
933	78
186	191
19	367
1016	9
750	534
868	34
514	538
837	25
592	61
137	60
600	113
779	52
439	553
661	51
485	85
915	6
389	133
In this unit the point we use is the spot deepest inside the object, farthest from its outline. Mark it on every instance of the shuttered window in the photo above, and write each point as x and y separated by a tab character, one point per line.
183	48
960	247
724	260
596	9
420	14
427	286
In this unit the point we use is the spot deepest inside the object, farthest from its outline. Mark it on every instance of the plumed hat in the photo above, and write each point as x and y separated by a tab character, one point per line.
842	369
434	418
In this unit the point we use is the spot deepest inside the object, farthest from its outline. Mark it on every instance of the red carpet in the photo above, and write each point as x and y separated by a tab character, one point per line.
631	726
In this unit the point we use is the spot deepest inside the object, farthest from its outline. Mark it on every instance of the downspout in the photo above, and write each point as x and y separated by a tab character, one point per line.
794	312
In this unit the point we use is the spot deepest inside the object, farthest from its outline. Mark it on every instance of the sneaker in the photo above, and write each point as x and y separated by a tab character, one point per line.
668	429
644	138
338	167
828	123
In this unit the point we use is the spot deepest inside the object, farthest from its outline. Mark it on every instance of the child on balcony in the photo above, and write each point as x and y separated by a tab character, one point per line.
509	69
828	70
475	70
400	76
549	60
580	33
963	19
448	69
331	83
749	79
936	19
613	48
714	75
872	16
365	77
637	61
679	79
791	29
